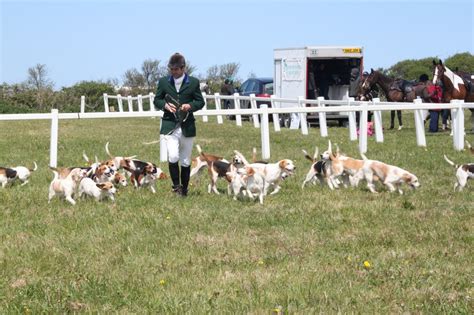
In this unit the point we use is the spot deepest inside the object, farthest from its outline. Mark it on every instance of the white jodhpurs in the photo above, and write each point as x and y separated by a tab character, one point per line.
179	148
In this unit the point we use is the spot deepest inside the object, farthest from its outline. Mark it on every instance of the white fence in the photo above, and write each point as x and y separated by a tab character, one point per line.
320	106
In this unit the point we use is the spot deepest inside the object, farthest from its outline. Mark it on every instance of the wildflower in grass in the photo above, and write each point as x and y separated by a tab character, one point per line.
162	282
349	258
277	310
261	262
168	217
367	264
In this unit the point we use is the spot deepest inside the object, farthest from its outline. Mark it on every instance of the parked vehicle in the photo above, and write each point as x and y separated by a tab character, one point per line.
261	87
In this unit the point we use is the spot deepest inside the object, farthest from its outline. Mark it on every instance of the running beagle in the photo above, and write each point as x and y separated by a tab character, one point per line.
21	173
463	173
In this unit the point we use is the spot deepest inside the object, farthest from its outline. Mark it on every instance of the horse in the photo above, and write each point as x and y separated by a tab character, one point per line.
395	90
455	86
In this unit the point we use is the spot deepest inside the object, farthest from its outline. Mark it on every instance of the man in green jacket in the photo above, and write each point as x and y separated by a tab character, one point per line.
178	96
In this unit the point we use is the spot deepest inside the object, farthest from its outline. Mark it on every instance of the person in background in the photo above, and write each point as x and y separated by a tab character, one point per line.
321	78
228	89
435	97
178	96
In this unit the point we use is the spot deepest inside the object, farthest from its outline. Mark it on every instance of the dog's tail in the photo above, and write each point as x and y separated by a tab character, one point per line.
34	168
469	147
363	156
198	147
56	174
107	150
84	155
315	156
450	162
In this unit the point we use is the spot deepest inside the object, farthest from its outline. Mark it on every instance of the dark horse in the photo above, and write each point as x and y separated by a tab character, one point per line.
395	90
455	87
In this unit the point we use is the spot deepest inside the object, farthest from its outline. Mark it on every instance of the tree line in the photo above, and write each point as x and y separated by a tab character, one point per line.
37	94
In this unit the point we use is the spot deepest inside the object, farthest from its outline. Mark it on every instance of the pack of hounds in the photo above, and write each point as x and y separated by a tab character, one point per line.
101	179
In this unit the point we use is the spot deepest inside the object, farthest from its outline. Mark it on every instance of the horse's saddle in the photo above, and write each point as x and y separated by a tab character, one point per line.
468	84
403	86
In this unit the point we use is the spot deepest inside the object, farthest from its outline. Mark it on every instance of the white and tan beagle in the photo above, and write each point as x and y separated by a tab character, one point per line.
97	191
390	175
273	173
21	173
65	187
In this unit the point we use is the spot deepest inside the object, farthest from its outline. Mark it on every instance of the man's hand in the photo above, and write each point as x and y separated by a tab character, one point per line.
170	107
185	107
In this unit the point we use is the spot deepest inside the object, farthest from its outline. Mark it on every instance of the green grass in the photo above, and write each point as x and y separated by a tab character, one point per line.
301	252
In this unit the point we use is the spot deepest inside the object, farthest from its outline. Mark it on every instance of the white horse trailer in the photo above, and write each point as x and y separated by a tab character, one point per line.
316	71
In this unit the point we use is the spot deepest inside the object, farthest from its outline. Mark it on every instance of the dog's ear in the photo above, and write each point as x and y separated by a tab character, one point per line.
407	178
250	171
101	186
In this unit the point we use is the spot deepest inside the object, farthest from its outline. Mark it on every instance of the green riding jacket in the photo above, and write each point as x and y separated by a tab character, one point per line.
189	93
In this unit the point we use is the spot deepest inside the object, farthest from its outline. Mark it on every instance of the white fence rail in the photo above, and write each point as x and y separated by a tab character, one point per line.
261	119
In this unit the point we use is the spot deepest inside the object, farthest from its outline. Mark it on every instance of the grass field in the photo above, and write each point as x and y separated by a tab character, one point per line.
302	252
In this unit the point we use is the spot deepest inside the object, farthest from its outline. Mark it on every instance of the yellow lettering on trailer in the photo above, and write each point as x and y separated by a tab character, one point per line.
351	50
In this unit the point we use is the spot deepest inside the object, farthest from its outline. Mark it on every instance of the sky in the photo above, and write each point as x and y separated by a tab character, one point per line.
101	39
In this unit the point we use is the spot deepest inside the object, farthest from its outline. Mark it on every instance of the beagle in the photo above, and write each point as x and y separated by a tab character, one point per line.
21	173
65	187
463	173
118	162
319	171
119	180
390	175
200	161
254	184
218	168
97	191
144	174
246	181
273	173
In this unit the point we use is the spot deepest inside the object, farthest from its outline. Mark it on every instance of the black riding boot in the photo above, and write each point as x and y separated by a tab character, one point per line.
174	174
185	172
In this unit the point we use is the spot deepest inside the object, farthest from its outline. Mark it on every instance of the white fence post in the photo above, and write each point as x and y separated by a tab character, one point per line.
352	121
276	117
363	128
458	128
106	103
218	107
265	133
204	117
140	103
53	147
83	104
323	127
253	105
419	125
152	105
238	117
119	103
377	121
303	121
130	103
